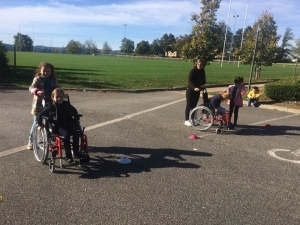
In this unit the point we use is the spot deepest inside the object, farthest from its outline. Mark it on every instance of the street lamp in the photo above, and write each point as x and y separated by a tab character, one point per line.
125	25
243	35
235	16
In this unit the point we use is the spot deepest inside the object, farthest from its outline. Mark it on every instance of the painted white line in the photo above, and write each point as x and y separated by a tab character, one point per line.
13	150
131	115
273	151
266	121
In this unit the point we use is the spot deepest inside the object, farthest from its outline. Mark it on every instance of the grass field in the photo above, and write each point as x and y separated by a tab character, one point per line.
111	72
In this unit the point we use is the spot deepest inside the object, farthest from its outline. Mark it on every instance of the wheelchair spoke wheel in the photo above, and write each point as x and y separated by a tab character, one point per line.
201	118
40	145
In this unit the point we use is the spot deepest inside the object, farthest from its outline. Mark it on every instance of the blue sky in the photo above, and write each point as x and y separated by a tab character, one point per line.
55	22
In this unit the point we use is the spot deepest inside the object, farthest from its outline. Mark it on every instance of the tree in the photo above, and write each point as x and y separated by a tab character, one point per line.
23	43
266	43
180	42
74	47
237	38
127	46
3	62
166	42
143	48
285	48
296	50
106	49
90	47
155	47
296	54
205	40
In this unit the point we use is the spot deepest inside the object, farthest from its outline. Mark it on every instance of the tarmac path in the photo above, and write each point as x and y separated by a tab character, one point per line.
250	177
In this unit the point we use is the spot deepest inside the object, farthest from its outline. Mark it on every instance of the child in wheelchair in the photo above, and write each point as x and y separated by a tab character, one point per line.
65	120
215	103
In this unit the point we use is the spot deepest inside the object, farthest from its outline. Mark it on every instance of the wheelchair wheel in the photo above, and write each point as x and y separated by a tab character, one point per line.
201	117
40	145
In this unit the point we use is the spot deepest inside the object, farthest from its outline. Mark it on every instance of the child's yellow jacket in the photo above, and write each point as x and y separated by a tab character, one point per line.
251	94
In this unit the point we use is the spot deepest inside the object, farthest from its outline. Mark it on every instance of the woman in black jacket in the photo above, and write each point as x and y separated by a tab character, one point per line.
196	80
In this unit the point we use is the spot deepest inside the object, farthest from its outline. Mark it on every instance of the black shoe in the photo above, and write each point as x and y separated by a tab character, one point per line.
70	160
235	124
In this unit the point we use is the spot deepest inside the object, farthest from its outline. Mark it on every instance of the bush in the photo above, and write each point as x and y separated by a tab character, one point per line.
285	90
3	62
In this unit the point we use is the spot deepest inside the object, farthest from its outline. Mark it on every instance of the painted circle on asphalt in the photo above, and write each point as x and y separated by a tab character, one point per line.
291	154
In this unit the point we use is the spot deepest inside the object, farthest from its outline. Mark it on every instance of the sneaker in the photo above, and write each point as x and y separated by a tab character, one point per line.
70	160
29	146
187	123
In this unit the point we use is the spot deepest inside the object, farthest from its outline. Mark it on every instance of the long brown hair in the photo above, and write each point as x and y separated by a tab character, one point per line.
42	65
202	61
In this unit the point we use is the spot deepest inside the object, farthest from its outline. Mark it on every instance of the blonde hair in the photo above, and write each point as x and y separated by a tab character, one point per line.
225	95
57	91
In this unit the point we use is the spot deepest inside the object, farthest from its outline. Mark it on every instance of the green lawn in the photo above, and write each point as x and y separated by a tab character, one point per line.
111	72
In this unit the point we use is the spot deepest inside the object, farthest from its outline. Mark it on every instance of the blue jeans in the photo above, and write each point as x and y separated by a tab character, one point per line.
254	101
30	139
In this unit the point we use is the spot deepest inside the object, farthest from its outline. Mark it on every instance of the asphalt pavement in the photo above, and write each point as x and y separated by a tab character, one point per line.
246	177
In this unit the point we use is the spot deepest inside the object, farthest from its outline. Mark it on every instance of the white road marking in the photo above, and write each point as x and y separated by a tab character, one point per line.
13	150
273	151
22	148
266	121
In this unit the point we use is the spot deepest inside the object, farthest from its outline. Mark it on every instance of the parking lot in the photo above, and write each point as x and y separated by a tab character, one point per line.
247	177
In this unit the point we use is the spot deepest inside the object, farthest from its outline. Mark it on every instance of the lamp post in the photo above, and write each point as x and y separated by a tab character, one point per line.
226	33
125	25
235	16
254	55
243	34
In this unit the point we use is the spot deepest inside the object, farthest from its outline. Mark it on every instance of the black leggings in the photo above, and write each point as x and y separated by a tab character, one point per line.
67	132
233	109
192	98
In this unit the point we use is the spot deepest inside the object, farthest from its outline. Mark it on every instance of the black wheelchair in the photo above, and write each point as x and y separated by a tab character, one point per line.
47	140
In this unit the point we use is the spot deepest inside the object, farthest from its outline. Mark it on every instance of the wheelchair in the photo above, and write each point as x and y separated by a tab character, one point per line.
203	117
47	140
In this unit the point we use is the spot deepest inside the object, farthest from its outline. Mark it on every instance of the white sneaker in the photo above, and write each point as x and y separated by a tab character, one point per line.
29	146
187	123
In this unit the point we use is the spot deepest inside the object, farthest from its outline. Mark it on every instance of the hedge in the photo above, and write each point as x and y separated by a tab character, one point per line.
284	90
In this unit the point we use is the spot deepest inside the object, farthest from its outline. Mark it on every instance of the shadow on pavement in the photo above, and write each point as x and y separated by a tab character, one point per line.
142	160
267	130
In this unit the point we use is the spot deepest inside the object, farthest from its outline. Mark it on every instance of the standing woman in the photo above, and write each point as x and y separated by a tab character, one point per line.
196	79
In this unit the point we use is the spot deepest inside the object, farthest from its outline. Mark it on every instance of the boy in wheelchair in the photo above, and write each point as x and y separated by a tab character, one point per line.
65	120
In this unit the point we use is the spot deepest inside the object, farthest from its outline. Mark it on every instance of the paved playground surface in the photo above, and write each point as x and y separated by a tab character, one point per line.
249	177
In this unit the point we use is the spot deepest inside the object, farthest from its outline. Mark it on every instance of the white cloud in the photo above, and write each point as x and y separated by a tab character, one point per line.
147	20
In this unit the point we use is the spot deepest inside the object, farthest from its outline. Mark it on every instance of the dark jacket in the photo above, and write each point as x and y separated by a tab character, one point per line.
62	115
196	78
216	100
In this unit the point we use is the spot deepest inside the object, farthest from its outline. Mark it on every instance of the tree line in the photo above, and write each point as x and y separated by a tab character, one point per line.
207	39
